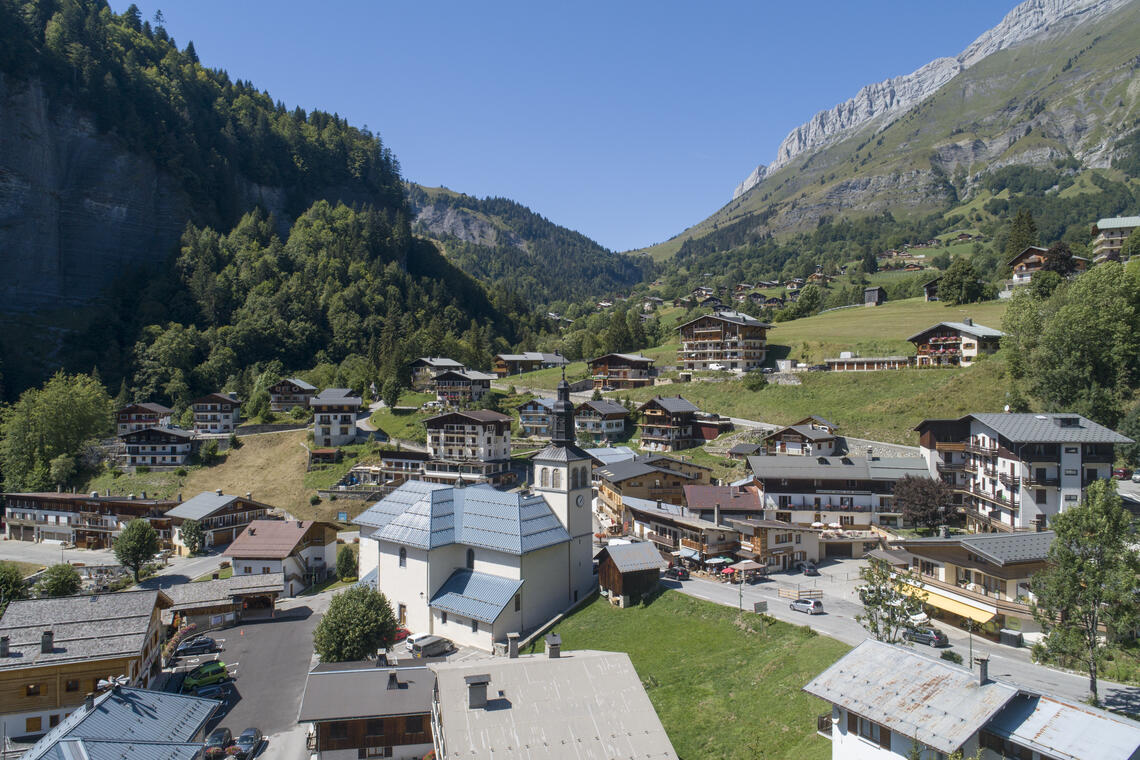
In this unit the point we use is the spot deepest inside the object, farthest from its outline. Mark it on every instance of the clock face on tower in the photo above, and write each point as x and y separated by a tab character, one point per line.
580	500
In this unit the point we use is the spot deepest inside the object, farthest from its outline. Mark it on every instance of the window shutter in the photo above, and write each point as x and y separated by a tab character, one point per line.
852	723
884	737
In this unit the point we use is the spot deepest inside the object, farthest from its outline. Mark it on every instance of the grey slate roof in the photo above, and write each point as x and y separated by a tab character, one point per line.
335	396
201	506
543	401
619	471
129	724
936	703
441	362
1065	730
735	317
627	357
978	331
176	432
999	548
95	627
302	384
603	406
222	591
429	515
629	558
745	448
556	453
475	595
583	705
360	690
1042	428
534	356
849	468
673	404
812	434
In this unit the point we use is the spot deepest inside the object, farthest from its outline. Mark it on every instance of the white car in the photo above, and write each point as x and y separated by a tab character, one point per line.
1136	477
716	367
414	639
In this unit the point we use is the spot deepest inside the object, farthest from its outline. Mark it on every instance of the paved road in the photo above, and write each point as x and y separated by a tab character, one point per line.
51	554
1008	663
184	569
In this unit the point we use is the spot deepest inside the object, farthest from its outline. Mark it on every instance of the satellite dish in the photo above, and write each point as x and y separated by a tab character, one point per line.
112	682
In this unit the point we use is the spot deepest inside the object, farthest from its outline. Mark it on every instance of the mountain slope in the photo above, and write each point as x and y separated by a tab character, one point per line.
1068	96
507	245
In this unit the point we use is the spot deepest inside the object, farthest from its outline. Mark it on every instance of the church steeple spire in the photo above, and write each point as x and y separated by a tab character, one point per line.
563	415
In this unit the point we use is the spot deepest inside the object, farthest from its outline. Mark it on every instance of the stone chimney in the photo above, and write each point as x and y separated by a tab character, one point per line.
968	321
553	646
393	680
5	649
477	691
47	642
513	646
870	452
89	701
983	670
716	513
218	491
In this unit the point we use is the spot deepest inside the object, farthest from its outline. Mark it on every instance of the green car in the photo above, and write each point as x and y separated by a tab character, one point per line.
207	673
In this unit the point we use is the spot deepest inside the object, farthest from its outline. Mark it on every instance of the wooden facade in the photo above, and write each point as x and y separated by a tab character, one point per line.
139	416
160	448
621	371
288	394
90	522
633	584
367	733
735	341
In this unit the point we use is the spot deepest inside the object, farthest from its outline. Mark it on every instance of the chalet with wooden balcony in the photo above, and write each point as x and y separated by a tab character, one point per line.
302	551
216	413
1014	472
621	371
291	393
1032	260
679	531
651	477
160	448
600	420
221	516
139	416
472	446
535	417
426	368
357	709
812	436
983	578
841	492
89	521
719	503
528	361
733	340
954	344
668	423
388	471
776	544
458	388
334	416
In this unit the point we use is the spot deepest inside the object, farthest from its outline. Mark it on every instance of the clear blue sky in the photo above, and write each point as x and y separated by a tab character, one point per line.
627	121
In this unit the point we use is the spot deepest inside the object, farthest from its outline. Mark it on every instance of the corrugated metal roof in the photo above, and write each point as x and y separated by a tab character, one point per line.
608	455
428	516
1044	428
1118	222
581	706
932	701
979	331
1067	730
201	506
475	595
129	724
633	557
998	548
850	468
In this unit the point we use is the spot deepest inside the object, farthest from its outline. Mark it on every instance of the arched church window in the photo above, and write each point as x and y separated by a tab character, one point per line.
556	478
403	557
545	478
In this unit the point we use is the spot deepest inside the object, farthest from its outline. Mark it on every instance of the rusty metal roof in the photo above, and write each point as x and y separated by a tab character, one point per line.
1062	729
932	701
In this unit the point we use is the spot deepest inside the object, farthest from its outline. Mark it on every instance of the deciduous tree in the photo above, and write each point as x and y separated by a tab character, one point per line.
136	545
358	622
959	283
924	502
193	536
346	563
1090	581
12	585
59	580
889	601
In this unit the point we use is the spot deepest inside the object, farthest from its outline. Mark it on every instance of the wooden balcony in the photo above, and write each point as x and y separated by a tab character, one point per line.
977	448
662	540
949	446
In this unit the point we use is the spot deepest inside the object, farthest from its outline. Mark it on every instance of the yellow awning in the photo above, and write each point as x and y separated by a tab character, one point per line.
954	606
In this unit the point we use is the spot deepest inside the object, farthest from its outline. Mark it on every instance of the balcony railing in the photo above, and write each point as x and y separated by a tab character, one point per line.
662	540
1009	481
952	467
1042	482
823	725
978	448
949	446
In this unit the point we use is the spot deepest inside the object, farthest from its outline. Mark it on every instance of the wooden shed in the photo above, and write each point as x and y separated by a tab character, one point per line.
629	571
874	296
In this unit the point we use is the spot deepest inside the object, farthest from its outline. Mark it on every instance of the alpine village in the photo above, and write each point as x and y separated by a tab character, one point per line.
301	459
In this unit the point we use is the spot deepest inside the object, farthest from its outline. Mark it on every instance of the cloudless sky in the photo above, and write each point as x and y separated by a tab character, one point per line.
626	121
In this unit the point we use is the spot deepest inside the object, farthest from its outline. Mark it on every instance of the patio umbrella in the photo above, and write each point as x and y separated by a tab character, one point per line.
817	525
835	525
747	565
728	571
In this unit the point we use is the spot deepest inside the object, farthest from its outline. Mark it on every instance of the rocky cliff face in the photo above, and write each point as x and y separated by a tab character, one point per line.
76	209
441	220
882	101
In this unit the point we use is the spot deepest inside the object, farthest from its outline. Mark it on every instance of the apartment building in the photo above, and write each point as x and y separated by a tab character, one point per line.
456	387
216	413
678	531
474	446
728	339
777	545
621	371
426	368
221	516
652	476
600	420
390	470
535	418
139	416
89	521
1109	236
334	416
954	344
290	393
1015	471
160	448
528	361
668	423
812	436
303	551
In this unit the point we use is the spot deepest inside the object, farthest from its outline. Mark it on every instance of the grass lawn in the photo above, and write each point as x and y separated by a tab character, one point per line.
722	687
723	467
223	573
882	406
25	568
402	424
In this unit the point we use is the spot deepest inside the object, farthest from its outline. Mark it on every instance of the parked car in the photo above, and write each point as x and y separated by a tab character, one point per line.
677	573
402	632
411	641
198	645
205	674
716	367
432	646
220	738
218	691
1136	477
248	743
769	370
809	568
810	606
927	635
1122	473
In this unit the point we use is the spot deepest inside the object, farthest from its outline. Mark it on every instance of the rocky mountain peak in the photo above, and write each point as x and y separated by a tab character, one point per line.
883	100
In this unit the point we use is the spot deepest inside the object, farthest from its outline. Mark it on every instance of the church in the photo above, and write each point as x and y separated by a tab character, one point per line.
473	564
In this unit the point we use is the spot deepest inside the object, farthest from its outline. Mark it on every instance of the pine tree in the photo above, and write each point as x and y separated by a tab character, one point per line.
1022	233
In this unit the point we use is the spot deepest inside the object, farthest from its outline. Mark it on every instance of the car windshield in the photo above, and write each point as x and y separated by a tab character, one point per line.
219	735
248	737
